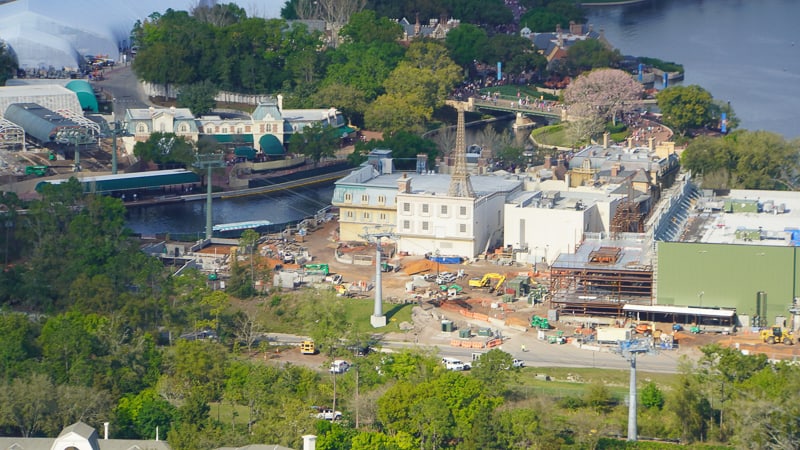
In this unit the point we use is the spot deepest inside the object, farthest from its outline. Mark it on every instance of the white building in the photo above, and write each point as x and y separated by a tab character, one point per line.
551	219
416	207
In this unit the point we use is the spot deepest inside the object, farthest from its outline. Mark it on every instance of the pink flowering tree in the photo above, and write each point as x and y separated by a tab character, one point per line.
603	93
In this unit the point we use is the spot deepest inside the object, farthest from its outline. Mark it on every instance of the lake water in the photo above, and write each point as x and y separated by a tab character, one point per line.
746	52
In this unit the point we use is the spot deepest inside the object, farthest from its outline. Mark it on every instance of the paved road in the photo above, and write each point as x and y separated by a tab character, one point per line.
539	354
121	84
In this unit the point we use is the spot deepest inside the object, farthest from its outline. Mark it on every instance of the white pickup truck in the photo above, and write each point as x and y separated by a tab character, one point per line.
455	364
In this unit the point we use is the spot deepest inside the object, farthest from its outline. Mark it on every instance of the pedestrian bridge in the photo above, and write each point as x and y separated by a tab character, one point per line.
553	112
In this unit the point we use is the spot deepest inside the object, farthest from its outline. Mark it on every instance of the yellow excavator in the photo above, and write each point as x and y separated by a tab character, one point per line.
488	281
777	335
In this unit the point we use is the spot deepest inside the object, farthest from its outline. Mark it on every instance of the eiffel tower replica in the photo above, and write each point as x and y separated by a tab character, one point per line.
460	186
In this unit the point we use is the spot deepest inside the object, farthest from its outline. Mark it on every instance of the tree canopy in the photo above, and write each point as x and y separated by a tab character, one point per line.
744	160
685	108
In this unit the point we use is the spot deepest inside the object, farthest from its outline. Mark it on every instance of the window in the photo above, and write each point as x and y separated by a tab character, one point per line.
141	128
406	224
348	214
381	200
364	198
383	217
425	226
406	207
248	129
463	211
238	131
424	209
365	216
444	210
348	197
184	128
462	228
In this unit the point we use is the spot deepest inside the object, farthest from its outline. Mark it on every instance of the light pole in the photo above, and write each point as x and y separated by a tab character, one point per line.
209	161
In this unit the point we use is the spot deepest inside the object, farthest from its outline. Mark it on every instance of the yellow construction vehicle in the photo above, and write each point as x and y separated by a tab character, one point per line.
777	335
487	280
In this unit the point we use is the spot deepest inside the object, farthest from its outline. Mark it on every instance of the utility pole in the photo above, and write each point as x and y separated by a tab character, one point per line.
208	161
378	319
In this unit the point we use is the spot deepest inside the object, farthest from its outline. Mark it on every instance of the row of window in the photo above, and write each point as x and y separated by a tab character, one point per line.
364	198
365	216
426	226
443	209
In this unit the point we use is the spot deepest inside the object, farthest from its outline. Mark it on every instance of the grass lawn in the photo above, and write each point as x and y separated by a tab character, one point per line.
225	412
358	312
551	135
565	382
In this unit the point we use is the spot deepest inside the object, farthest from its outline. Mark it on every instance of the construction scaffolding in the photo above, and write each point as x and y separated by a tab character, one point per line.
627	219
602	284
12	136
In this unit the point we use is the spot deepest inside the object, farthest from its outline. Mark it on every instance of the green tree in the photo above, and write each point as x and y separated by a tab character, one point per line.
8	63
652	397
495	370
392	113
316	141
466	43
685	108
69	347
366	27
591	54
743	160
166	150
198	97
194	364
17	337
27	402
363	66
351	101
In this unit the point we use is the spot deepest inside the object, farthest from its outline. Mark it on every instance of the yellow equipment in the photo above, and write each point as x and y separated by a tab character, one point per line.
777	335
487	281
308	348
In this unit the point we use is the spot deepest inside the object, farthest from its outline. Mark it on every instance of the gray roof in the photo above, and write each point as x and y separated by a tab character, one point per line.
265	109
433	183
38	121
78	435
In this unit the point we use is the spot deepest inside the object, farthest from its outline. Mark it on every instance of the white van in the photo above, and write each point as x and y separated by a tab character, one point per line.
339	366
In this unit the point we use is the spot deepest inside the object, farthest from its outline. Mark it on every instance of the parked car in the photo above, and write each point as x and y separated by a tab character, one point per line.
518	363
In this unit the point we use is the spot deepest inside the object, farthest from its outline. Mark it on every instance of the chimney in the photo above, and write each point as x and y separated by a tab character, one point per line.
280	102
630	142
614	170
404	184
652	143
105	431
605	139
309	442
548	161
